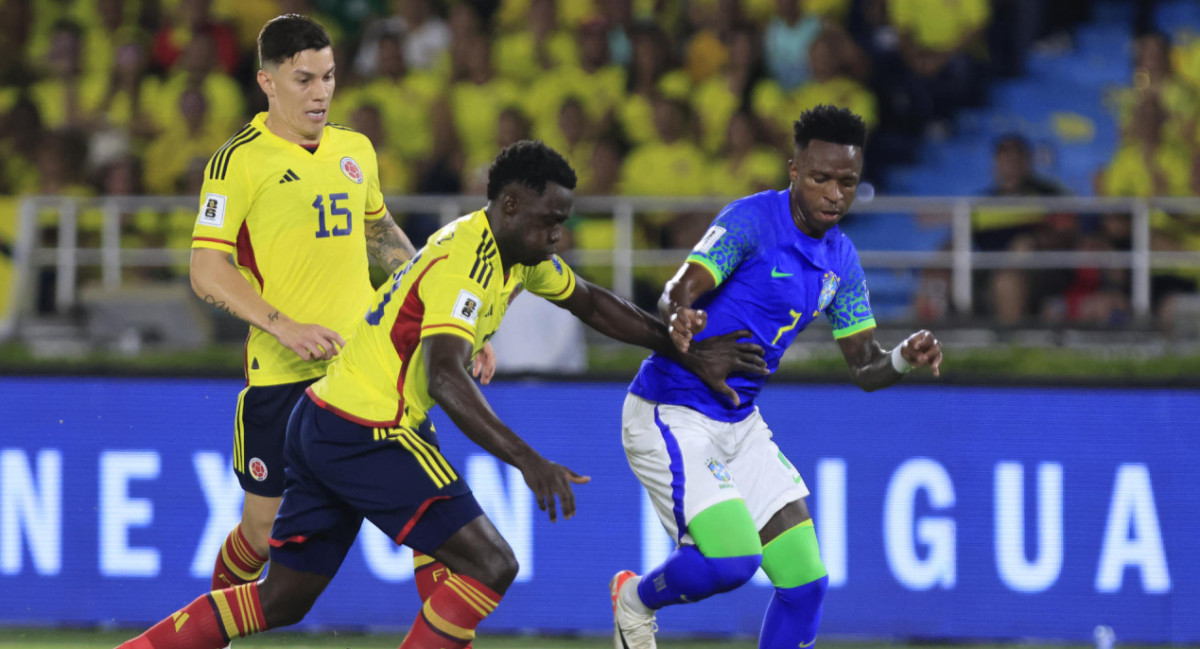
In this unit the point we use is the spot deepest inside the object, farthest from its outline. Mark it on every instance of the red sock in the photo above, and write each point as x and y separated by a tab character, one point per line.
237	563
428	573
450	615
209	622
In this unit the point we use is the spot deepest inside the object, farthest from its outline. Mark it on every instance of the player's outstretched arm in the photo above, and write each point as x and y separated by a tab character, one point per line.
387	244
675	305
712	360
446	359
873	368
216	280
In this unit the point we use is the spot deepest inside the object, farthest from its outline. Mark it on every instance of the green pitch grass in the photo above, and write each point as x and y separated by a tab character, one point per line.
93	639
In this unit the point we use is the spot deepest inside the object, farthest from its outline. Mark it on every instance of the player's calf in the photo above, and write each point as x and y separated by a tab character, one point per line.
237	562
451	614
792	560
209	622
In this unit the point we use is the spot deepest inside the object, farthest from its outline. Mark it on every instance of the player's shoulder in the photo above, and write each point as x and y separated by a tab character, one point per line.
749	217
841	245
343	136
466	235
233	151
754	207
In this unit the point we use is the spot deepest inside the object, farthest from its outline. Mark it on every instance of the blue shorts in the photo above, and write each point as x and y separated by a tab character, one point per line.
259	429
340	472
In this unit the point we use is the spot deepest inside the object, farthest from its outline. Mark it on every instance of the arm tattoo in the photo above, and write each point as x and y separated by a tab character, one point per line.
273	316
221	306
387	245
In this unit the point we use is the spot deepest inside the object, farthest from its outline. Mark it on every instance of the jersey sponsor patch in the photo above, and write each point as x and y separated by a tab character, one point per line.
710	239
351	169
466	307
213	211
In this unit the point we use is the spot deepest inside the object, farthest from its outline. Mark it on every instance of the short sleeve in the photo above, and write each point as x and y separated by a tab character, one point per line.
225	199
729	241
375	205
850	310
552	279
451	301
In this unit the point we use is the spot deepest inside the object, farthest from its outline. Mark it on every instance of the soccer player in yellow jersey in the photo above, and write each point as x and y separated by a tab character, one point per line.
360	443
285	208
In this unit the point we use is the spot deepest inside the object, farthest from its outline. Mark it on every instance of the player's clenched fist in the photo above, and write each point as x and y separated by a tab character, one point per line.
686	323
922	348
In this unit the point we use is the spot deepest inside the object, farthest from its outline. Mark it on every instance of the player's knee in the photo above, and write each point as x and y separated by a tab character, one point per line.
731	572
497	568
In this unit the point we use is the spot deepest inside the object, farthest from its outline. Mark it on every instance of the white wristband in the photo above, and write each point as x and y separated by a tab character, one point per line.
899	363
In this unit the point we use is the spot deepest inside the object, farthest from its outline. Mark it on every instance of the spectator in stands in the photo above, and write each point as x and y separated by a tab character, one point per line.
706	51
128	95
1012	296
512	126
789	37
574	137
716	99
188	135
477	98
745	166
671	164
605	167
197	67
1154	74
60	95
599	85
425	35
831	84
940	42
525	54
394	174
651	73
404	96
1147	163
180	29
618	17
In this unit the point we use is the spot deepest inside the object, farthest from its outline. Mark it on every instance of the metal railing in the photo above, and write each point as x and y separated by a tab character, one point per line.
67	256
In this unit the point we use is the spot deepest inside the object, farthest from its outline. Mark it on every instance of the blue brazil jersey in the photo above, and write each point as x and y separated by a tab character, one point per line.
773	280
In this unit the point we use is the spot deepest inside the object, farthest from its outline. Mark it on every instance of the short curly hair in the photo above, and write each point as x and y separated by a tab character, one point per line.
286	36
829	124
530	163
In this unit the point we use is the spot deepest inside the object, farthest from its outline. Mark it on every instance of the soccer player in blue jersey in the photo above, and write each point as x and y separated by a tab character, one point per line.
770	263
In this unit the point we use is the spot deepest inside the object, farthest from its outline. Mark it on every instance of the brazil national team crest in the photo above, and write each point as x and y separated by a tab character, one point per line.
718	470
829	287
350	168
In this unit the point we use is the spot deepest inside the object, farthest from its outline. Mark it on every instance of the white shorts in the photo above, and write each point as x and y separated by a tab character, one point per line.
689	462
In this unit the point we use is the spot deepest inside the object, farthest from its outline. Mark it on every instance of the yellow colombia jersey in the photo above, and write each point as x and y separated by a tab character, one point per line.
455	285
294	222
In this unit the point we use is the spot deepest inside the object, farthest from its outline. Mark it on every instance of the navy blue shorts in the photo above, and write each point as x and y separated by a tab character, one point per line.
340	472
259	429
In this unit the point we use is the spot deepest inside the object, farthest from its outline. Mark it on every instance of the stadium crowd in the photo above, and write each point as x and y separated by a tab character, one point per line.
644	97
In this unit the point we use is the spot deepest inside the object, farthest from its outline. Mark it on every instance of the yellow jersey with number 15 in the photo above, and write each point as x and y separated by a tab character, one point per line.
455	285
294	222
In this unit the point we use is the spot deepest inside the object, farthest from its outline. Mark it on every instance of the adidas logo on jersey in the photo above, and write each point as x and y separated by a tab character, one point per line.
289	177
